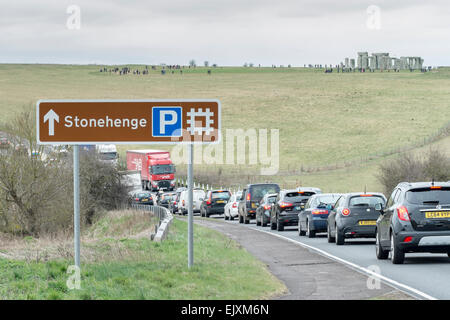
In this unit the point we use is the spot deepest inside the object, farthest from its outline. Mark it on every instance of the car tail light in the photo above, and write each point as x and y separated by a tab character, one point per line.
319	211
402	213
248	197
285	204
234	205
407	239
137	199
346	212
366	195
183	202
266	207
209	200
436	187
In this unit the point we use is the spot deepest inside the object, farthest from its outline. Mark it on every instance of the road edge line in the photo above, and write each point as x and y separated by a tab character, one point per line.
395	284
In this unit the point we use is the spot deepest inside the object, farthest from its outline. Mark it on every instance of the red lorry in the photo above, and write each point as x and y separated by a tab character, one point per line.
157	170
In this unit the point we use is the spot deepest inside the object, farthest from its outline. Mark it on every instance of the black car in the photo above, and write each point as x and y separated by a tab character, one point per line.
215	202
251	197
263	211
142	197
286	208
165	198
416	218
354	216
313	218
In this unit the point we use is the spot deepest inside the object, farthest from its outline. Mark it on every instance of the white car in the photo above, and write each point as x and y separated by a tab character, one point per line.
231	208
198	196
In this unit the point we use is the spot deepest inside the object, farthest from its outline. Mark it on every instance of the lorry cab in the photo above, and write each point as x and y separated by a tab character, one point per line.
156	167
107	153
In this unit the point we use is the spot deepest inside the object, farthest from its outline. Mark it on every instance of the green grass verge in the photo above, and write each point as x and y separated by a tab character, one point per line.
222	270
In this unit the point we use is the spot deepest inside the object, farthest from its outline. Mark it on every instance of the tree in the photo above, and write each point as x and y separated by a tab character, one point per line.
192	63
206	63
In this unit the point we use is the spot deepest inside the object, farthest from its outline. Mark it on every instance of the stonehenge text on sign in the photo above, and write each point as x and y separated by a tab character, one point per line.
127	121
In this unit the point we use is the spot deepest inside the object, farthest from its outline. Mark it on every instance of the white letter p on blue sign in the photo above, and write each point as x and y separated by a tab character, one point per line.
166	121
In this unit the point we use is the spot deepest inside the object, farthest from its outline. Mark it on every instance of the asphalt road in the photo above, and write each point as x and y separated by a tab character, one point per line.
306	274
425	276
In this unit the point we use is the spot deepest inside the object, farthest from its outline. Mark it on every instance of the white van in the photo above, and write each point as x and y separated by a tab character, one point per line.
198	195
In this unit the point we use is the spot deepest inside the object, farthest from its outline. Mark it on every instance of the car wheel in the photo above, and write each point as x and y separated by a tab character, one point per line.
330	238
273	226
380	252
258	221
241	219
311	233
264	224
246	221
231	217
397	254
340	239
225	217
300	231
280	226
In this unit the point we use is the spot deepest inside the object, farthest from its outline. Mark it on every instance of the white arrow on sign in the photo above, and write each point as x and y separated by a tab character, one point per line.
51	117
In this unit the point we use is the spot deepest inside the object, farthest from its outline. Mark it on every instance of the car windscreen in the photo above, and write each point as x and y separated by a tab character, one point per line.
259	191
271	199
167	197
143	195
366	201
108	155
163	169
429	196
323	201
224	195
297	196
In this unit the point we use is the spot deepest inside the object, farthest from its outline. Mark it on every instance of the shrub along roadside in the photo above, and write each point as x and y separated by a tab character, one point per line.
149	270
412	168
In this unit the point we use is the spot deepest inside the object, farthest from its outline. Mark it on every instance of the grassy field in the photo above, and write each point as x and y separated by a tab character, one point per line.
324	119
120	262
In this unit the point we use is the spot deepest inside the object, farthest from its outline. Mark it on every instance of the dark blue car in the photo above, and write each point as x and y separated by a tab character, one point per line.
313	218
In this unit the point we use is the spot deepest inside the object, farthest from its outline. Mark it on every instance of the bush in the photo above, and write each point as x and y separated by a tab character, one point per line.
36	193
412	168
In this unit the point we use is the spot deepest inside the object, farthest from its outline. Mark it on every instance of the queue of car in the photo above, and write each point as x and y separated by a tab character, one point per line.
415	218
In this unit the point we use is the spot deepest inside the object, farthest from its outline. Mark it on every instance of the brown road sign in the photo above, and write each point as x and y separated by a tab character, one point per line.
127	121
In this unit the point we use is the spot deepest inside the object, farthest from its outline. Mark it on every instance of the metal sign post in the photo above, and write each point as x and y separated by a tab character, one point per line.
190	207
76	203
77	122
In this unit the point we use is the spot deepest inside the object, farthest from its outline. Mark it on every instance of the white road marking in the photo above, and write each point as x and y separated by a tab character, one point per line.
395	284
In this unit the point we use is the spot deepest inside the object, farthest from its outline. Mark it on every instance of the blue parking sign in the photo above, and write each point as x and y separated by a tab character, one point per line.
166	122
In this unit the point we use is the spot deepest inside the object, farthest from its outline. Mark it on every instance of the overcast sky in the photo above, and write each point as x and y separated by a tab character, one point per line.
226	32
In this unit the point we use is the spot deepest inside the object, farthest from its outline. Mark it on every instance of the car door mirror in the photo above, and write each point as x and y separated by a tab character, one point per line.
379	207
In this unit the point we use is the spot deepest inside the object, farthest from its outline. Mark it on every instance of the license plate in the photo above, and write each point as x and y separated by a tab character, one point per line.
220	201
367	223
144	200
437	214
254	205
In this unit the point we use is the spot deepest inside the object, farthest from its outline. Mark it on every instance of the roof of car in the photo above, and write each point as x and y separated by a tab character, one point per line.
350	194
423	184
317	190
261	184
326	194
